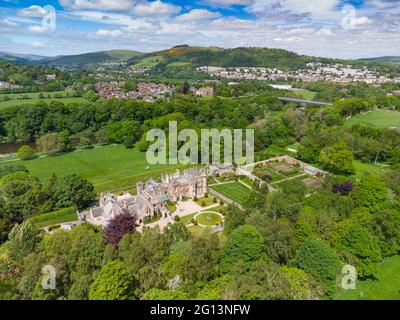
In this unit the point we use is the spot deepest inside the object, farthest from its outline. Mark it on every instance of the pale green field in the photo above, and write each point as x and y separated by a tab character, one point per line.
33	98
379	118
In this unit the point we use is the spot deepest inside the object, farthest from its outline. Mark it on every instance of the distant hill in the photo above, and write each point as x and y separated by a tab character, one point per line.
20	58
93	57
184	58
387	59
191	57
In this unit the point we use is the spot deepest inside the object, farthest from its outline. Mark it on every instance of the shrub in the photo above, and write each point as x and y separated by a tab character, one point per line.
26	153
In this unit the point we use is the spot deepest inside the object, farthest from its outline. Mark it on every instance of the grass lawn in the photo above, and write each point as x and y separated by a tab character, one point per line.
362	168
111	168
306	94
205	202
187	219
208	218
386	287
378	118
234	190
55	217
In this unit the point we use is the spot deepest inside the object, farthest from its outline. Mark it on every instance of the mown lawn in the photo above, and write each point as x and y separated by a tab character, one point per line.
208	218
379	118
110	168
386	287
234	190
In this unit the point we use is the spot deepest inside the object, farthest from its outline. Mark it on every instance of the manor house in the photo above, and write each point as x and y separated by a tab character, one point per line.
151	198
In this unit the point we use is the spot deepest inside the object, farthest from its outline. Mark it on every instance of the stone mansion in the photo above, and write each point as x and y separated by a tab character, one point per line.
151	198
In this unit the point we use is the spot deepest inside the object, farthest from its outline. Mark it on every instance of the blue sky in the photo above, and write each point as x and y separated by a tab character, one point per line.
330	28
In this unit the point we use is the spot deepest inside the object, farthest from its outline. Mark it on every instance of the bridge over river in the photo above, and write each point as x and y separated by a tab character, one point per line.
305	102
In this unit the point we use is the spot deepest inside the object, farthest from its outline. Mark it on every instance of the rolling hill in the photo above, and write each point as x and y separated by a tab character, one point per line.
191	57
388	60
20	58
93	58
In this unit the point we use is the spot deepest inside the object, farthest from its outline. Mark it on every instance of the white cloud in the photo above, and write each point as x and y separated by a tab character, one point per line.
155	9
228	3
7	24
37	29
32	12
109	33
112	5
361	21
325	31
197	15
317	9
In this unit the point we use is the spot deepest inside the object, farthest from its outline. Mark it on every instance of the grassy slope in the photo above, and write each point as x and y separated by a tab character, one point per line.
110	168
235	191
362	168
382	119
386	287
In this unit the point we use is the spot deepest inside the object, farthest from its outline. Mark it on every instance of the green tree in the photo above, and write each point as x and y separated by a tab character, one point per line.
114	282
159	294
244	244
26	153
317	258
279	237
387	230
50	143
337	159
360	249
74	190
85	143
23	239
371	193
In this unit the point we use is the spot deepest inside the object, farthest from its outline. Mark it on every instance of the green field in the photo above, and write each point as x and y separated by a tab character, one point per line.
16	99
149	62
306	94
234	191
363	168
386	287
379	118
12	103
110	168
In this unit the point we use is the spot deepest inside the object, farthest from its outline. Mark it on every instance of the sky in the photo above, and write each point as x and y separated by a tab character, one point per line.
327	28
